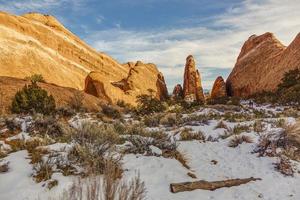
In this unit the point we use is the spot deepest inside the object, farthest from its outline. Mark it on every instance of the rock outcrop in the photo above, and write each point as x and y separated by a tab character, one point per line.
261	65
62	95
141	79
219	89
38	44
192	88
177	92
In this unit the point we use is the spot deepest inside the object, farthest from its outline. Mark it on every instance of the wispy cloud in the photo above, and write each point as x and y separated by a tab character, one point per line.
20	6
215	46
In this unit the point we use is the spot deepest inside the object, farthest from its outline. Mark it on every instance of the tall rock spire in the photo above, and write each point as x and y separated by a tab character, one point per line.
192	88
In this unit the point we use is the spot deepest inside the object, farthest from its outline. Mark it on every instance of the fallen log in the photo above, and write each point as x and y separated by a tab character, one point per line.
206	185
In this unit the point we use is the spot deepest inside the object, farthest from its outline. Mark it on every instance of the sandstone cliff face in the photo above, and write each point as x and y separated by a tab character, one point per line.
141	79
192	88
261	65
177	91
36	43
219	88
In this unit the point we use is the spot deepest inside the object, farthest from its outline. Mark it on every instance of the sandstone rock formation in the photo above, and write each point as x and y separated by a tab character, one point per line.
261	65
36	43
219	88
192	88
62	95
141	79
177	91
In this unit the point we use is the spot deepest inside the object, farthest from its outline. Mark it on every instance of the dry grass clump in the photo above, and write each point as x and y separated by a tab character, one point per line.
16	145
188	135
258	126
43	170
174	153
110	187
195	119
236	130
284	166
2	154
237	140
236	117
4	167
139	130
221	124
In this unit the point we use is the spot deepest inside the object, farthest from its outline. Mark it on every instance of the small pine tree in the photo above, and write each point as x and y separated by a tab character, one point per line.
33	99
35	78
148	104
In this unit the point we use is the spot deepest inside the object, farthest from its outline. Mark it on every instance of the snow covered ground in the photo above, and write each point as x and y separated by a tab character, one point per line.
210	161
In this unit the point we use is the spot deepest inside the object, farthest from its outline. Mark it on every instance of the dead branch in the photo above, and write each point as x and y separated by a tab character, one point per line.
205	185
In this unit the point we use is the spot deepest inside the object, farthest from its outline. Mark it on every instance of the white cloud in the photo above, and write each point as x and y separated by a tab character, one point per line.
217	45
99	19
19	6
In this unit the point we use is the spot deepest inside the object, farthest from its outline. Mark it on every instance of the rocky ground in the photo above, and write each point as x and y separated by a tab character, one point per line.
42	157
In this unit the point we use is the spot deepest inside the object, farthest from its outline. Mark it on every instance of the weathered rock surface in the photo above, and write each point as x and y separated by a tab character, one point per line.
141	79
219	88
192	88
38	44
62	95
261	65
177	91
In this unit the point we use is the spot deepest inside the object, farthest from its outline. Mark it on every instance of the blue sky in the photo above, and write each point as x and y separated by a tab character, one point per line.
165	32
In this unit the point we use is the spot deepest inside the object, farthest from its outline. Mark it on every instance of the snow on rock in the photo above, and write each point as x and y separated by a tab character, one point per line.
21	136
155	150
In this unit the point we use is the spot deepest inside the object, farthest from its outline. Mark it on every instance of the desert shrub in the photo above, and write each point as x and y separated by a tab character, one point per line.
268	143
169	119
50	126
221	124
92	142
111	111
237	140
11	124
65	112
76	101
236	117
284	166
187	135
258	114
35	78
148	104
152	120
265	97
33	99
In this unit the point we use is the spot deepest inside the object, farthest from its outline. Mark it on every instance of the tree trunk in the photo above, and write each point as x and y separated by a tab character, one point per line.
205	185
